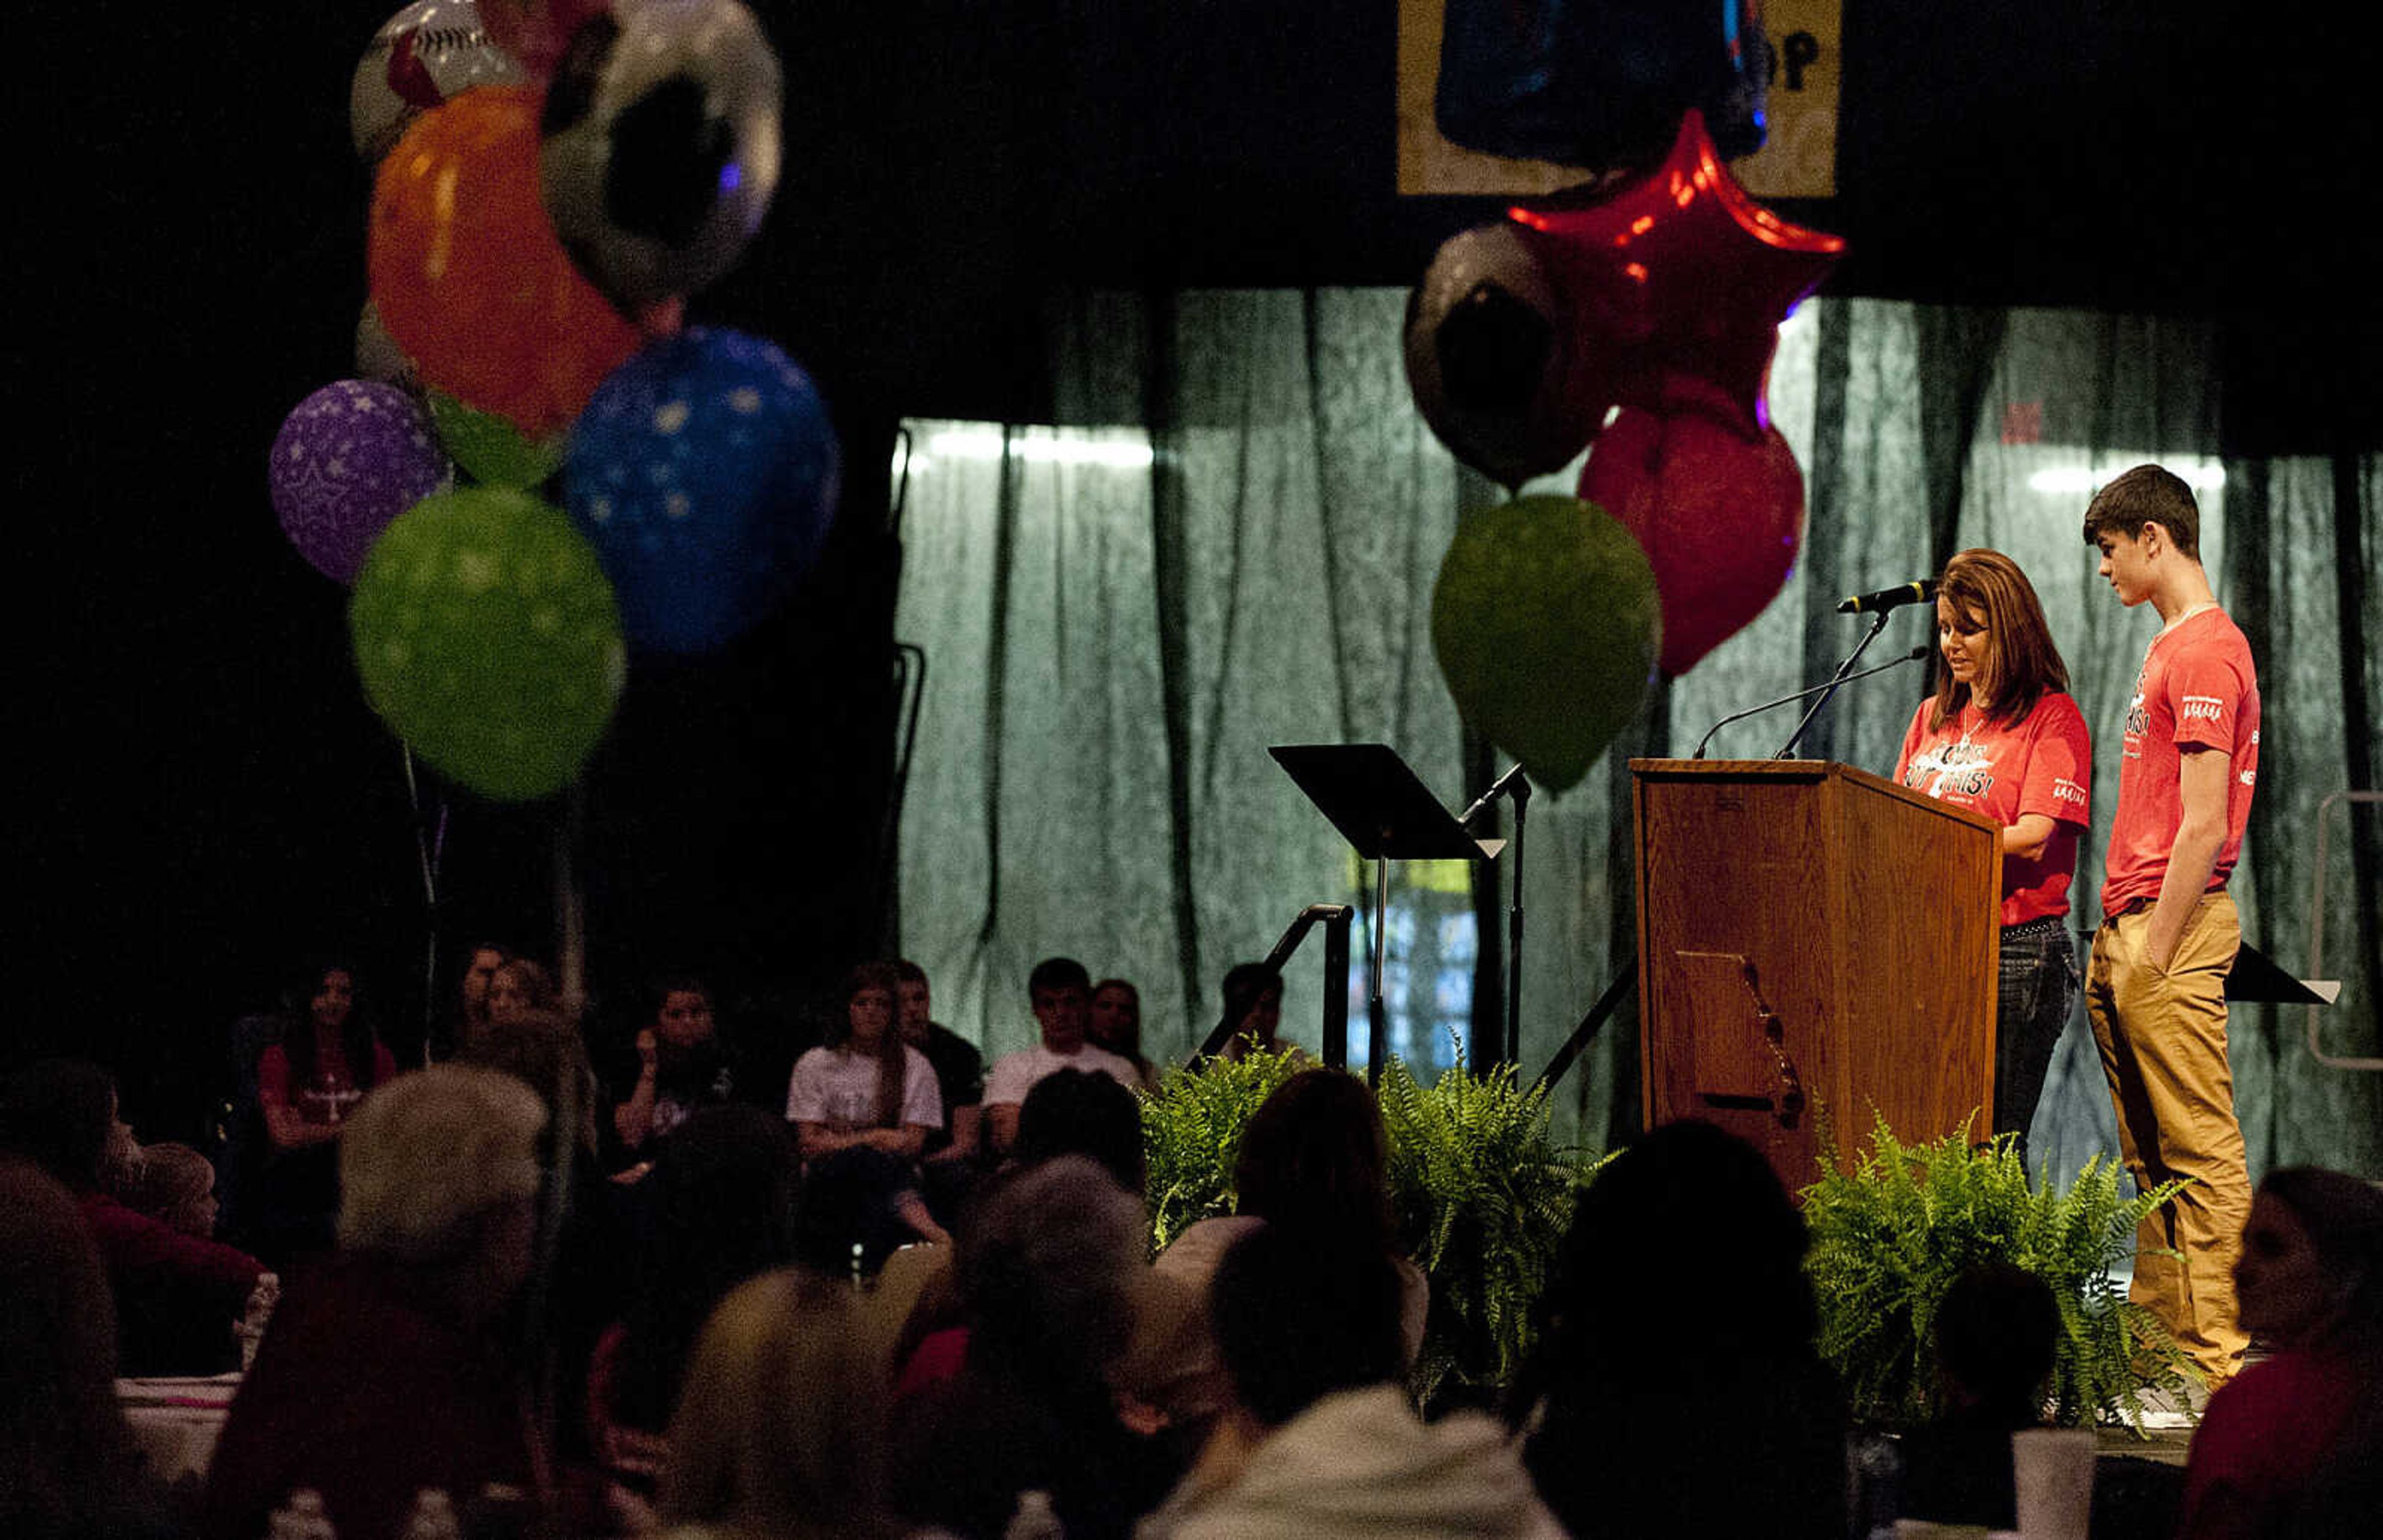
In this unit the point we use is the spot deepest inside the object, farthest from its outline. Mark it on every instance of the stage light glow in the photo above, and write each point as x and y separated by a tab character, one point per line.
1041	446
2202	475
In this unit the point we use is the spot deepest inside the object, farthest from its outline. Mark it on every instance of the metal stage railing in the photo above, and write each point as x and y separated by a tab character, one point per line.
1335	919
2316	926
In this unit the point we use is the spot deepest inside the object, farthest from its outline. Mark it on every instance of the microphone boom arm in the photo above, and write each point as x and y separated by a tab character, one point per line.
1787	750
1915	655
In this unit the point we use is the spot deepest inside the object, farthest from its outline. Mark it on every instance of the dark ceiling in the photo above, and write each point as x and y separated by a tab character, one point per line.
948	160
2189	159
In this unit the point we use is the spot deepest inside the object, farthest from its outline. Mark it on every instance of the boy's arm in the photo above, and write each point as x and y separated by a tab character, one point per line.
2199	834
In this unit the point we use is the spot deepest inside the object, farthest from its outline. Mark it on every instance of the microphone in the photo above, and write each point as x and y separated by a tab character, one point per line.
1914	656
1884	600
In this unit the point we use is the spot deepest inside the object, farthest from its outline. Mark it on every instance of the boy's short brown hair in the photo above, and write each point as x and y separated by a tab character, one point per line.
2146	495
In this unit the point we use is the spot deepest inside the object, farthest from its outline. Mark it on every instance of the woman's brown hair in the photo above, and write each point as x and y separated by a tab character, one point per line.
893	1061
2025	666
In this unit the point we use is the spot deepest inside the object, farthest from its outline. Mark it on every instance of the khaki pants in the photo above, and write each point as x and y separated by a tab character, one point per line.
2163	1042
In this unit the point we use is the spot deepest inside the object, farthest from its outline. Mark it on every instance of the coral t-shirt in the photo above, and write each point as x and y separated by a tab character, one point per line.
2043	763
2197	689
2267	1433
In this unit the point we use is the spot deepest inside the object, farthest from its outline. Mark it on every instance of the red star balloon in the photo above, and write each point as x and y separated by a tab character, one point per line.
1681	272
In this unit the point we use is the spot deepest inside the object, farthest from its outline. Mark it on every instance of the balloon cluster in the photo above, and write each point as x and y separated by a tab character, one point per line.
552	181
1640	323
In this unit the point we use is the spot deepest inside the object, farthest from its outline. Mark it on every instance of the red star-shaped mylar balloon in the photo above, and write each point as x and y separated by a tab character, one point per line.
1681	272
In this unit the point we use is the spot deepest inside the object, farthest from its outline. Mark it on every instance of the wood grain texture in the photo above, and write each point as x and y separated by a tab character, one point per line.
1860	915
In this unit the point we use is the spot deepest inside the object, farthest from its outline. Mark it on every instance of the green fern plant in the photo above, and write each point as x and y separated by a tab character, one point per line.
1191	1134
1890	1237
1483	1198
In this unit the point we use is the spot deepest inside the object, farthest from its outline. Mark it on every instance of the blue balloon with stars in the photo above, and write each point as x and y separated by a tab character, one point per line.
704	472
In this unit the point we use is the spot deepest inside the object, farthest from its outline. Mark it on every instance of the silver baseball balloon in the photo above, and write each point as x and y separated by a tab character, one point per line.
662	145
426	54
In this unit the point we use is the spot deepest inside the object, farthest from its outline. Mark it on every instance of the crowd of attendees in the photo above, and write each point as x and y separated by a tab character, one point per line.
530	1289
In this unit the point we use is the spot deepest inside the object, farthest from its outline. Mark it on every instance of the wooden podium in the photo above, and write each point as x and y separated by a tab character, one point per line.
1811	935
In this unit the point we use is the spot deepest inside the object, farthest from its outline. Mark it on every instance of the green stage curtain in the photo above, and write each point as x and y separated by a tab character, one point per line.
1228	541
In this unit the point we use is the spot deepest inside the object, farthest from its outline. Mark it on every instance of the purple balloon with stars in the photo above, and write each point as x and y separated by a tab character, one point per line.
352	457
705	472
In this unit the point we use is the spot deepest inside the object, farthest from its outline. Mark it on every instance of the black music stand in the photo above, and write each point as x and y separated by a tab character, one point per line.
2257	977
1387	814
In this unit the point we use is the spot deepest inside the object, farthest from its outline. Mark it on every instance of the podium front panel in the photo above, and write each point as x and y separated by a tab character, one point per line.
1921	896
1811	937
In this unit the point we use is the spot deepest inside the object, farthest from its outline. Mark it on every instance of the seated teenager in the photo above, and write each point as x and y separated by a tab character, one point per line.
1113	1022
717	1210
468	1014
1684	1397
1061	993
1048	1267
780	1435
1996	1332
519	986
306	1085
958	1064
868	1087
178	1295
68	1465
1253	1006
1313	1159
681	1066
2293	1446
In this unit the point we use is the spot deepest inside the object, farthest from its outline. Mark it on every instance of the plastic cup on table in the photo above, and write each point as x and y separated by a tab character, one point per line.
2053	1471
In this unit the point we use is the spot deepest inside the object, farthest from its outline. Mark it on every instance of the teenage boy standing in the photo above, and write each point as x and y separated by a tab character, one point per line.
2156	989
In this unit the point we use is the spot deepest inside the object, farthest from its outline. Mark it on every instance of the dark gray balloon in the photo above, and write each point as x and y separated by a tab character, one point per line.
1493	360
662	145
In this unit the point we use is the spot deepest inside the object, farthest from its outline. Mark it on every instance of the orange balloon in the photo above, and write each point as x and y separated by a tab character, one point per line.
467	274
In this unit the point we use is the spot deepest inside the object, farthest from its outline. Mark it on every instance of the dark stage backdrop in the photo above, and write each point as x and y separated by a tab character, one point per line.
1236	548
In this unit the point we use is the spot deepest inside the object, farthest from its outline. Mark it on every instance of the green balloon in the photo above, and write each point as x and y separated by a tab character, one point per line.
491	451
1547	624
487	636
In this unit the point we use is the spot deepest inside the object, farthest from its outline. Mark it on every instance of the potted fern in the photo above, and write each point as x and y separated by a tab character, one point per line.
1483	1198
1890	1236
1191	1134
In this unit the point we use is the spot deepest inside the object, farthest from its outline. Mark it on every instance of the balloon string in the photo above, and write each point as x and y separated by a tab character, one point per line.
430	853
421	847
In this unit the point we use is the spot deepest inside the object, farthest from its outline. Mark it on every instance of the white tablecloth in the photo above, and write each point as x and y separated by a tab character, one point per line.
175	1421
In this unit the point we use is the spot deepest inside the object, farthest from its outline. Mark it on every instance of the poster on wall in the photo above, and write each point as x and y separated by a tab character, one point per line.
1799	160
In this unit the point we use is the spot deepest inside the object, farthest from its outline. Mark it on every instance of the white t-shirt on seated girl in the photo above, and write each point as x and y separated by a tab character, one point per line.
837	1087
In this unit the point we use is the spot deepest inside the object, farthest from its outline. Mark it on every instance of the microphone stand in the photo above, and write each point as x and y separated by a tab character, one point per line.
1914	656
1514	787
1787	750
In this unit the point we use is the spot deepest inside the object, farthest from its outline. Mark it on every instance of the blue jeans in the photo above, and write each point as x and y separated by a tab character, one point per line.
2038	985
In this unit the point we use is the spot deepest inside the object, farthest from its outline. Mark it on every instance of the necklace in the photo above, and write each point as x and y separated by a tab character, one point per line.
1969	724
2190	611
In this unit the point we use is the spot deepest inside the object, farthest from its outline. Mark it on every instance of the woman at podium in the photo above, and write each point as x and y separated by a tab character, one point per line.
2001	736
